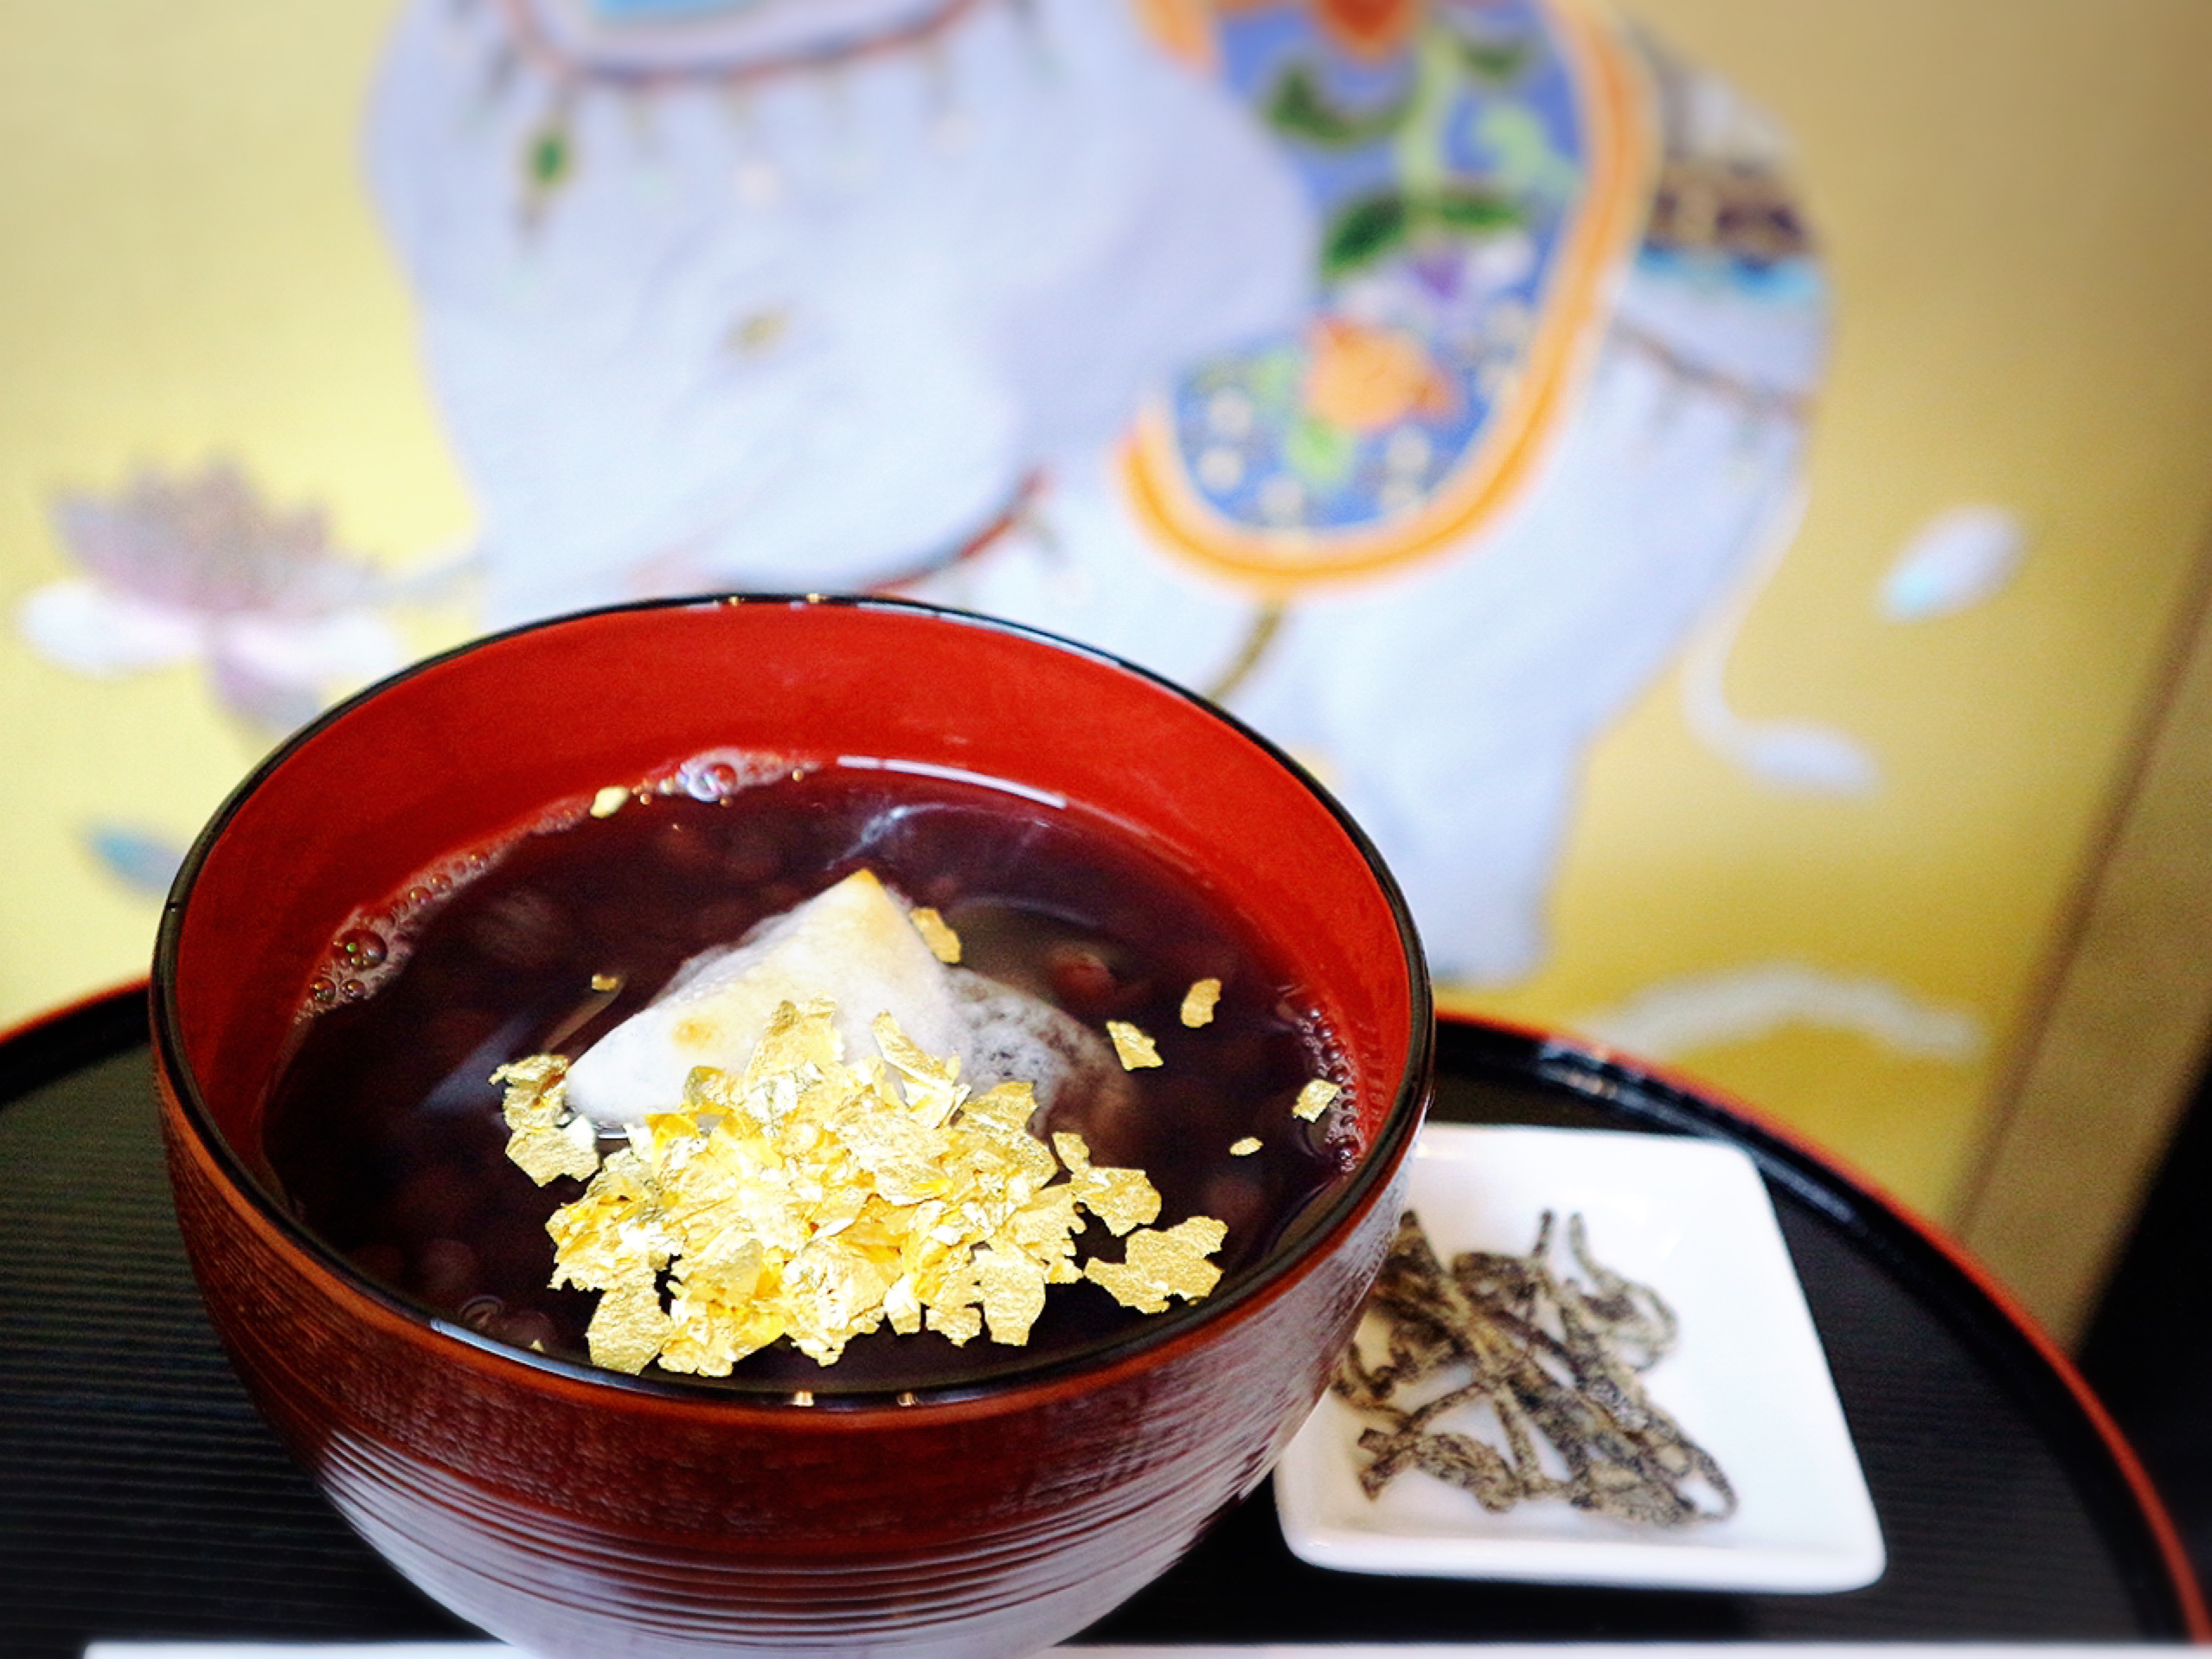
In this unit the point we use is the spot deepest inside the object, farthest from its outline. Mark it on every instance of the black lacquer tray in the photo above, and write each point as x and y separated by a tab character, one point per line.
141	1496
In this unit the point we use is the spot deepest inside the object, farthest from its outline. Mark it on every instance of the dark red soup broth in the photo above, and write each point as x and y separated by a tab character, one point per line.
385	1131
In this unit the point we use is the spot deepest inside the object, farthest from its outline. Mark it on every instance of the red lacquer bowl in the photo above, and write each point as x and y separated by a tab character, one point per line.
574	1511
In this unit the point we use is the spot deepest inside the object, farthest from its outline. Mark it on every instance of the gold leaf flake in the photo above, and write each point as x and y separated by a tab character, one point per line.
543	1153
1200	1233
797	1037
1315	1099
547	1139
609	801
956	1325
908	1058
936	933
1121	1198
932	1088
535	1091
611	1232
1198	1002
900	1154
716	1314
1131	1045
833	1293
1005	1110
1044	1228
1245	1147
902	1306
1013	1293
1156	1265
629	1328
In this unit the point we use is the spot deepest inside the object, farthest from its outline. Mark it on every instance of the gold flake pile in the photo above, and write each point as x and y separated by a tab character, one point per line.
815	1200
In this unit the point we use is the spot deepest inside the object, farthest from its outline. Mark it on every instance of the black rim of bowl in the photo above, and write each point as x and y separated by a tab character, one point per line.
1399	1122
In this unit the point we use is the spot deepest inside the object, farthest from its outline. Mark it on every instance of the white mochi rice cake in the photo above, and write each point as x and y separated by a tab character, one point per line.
855	944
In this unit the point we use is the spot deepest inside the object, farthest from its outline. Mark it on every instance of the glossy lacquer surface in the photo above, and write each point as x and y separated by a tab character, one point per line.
575	1513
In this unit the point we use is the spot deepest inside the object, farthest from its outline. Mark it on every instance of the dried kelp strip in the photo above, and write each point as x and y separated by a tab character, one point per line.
1558	1364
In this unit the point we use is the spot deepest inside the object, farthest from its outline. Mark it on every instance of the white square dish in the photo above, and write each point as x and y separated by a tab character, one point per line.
1747	1380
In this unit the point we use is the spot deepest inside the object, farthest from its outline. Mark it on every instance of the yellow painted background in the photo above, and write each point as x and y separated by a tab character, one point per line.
2009	196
